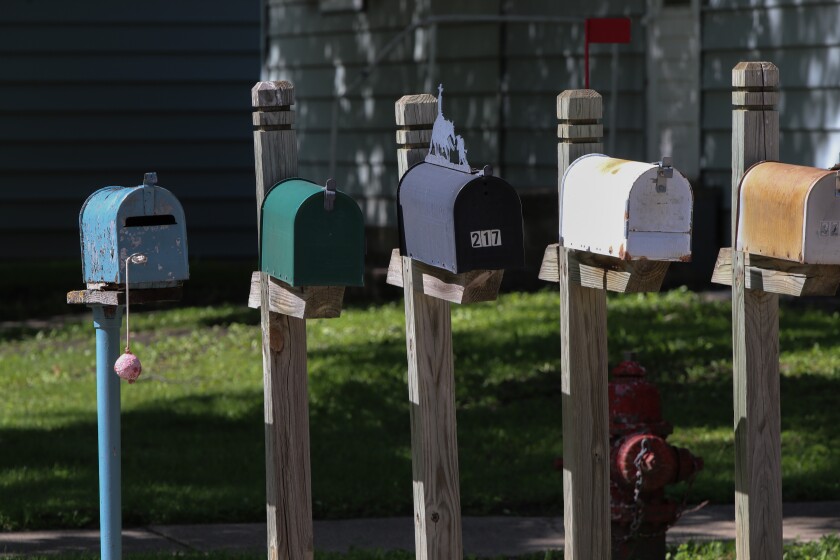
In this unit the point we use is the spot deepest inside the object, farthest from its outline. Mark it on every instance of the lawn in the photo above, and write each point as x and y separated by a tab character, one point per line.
828	548
193	432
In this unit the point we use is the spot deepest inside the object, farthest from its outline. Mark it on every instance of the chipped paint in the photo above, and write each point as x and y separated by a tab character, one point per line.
106	241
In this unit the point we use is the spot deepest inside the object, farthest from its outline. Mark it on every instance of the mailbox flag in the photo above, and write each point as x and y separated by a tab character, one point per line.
604	30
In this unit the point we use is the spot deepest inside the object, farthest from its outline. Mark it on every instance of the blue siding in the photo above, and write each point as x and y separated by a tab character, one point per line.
97	92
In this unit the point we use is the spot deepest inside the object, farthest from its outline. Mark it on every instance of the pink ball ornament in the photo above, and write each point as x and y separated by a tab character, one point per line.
128	367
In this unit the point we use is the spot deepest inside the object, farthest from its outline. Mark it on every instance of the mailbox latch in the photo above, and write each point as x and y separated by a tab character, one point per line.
665	170
329	195
836	167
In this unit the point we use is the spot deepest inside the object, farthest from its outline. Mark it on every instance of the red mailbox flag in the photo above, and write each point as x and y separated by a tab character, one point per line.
604	30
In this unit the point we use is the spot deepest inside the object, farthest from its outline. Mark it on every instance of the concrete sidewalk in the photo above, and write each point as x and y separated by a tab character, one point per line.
483	536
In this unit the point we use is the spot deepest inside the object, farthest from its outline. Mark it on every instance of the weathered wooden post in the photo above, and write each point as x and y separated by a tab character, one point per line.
285	385
609	240
428	292
755	334
583	355
311	246
785	231
121	226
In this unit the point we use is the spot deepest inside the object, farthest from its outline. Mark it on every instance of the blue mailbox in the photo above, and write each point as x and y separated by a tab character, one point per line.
117	222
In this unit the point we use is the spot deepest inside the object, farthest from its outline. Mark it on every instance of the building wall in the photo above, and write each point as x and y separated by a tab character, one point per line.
803	39
97	92
500	80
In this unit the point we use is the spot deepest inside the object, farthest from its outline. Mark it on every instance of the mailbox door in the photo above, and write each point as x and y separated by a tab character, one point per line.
329	245
822	222
151	221
488	226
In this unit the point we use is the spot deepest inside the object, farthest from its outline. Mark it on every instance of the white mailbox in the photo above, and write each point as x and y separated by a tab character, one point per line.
790	212
627	209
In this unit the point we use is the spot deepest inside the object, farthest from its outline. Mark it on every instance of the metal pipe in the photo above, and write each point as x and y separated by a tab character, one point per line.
107	320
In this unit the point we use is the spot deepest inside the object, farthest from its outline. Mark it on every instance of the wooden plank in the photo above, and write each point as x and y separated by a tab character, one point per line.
306	302
779	277
468	287
287	473
604	272
584	370
755	346
431	387
117	297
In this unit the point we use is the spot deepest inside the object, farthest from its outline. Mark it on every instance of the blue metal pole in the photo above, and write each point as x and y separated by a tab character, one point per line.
107	320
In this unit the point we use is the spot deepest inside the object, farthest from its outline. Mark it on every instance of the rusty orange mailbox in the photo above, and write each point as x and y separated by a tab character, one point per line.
790	212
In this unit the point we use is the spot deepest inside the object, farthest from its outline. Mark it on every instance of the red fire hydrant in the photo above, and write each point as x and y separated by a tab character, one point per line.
642	463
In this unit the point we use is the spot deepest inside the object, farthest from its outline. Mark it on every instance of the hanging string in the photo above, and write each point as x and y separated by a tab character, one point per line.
127	284
128	365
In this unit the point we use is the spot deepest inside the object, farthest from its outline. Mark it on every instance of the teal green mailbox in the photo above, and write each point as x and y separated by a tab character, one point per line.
312	235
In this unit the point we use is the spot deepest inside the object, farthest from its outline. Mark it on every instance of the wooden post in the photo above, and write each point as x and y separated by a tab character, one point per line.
288	492
755	334
584	368
431	383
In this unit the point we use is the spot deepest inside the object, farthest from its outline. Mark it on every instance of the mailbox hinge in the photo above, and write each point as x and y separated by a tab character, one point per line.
626	218
665	170
329	195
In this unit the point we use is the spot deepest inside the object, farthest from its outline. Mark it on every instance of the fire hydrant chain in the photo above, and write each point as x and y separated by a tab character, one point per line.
642	464
637	491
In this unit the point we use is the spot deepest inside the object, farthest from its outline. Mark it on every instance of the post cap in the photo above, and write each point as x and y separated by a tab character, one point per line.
580	104
414	110
760	75
273	94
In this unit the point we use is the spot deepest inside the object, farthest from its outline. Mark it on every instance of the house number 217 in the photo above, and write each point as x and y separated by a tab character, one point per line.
486	238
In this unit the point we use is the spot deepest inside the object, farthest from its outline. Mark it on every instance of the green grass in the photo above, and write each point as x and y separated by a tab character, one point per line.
193	431
828	548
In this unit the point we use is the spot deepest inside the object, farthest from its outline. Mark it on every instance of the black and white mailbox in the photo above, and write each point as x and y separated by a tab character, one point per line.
626	209
459	221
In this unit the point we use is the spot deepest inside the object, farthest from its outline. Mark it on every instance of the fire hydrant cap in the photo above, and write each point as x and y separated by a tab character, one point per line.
628	368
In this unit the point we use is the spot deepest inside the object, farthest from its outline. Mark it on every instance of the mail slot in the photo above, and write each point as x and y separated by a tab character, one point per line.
628	209
312	235
790	212
117	222
459	221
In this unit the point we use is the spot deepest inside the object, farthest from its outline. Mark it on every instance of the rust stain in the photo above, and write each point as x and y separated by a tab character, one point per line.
610	250
612	165
685	258
621	251
772	208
